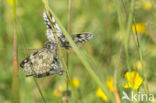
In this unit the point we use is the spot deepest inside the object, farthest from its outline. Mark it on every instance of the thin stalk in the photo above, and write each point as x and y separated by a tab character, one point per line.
120	20
81	57
128	32
80	95
15	91
129	25
39	89
117	63
141	59
122	28
67	55
69	16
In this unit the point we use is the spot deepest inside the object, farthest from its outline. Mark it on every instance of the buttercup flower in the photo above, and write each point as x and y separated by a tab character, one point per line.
139	27
101	94
75	82
134	79
109	84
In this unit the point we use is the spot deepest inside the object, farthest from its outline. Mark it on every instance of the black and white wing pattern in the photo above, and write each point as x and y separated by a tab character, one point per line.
77	38
43	62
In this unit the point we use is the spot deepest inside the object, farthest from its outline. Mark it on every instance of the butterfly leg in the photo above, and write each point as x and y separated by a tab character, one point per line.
51	72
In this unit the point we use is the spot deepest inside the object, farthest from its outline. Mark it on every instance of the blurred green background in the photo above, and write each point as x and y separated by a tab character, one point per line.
96	16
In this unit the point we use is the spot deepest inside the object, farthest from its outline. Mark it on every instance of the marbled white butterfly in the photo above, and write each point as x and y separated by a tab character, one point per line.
43	62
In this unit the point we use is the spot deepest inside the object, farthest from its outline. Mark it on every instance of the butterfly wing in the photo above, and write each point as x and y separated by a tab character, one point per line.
56	27
82	37
41	63
77	38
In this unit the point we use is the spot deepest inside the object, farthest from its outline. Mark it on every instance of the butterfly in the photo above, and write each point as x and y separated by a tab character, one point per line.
45	61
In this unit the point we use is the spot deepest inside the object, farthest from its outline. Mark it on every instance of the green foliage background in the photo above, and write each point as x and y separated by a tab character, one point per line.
96	16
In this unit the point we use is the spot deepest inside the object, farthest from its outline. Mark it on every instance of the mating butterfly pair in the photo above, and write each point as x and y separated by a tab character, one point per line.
45	61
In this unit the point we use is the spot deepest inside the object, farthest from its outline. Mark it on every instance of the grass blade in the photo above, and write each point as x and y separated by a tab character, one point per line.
15	79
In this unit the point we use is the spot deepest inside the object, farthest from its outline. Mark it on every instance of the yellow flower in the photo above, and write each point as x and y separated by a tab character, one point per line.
147	5
58	91
109	84
75	82
139	27
101	94
138	65
134	79
10	2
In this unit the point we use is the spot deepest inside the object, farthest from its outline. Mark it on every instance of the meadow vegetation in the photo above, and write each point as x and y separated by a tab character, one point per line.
120	57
